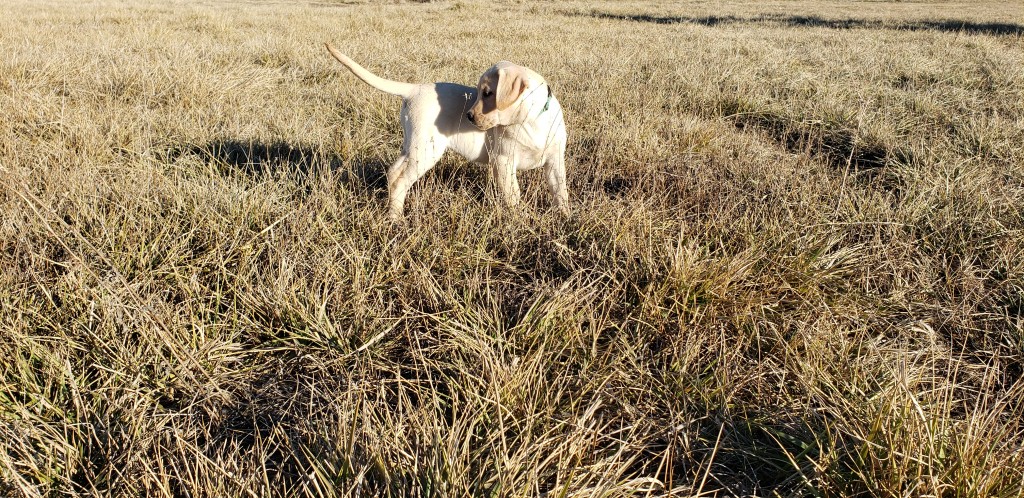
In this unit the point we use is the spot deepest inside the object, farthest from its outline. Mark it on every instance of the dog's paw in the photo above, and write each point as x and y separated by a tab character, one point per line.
396	217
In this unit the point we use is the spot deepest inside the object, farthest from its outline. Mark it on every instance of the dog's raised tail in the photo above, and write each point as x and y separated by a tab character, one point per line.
399	88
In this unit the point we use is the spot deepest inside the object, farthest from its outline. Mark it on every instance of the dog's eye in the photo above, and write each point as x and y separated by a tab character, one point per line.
488	93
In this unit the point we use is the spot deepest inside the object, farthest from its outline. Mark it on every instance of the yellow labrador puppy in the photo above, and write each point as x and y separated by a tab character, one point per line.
510	121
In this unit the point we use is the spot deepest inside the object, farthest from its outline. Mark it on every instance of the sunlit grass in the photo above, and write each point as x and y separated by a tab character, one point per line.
794	266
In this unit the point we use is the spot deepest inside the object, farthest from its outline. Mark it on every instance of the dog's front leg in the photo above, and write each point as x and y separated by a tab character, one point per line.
554	171
503	169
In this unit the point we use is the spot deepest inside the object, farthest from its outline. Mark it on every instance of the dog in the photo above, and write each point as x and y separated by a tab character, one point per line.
511	121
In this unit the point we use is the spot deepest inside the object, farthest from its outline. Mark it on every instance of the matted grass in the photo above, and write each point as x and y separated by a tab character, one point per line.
795	263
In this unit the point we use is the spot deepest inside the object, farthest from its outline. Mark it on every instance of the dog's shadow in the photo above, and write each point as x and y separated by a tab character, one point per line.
261	160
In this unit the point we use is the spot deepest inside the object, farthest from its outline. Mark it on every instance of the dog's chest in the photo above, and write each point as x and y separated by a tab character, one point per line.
526	145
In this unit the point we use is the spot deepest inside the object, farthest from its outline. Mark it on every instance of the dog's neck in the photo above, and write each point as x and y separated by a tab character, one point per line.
534	132
547	103
530	116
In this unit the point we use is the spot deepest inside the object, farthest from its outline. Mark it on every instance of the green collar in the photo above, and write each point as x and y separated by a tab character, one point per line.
548	102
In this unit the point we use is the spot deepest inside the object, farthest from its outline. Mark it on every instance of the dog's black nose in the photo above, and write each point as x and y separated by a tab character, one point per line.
470	116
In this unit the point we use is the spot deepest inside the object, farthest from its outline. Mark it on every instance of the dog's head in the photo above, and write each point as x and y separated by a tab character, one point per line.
506	94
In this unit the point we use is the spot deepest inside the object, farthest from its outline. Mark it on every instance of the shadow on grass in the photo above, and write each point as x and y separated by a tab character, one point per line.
302	164
837	145
618	186
258	159
949	25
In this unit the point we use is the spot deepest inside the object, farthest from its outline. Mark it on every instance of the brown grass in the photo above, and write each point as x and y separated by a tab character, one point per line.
795	264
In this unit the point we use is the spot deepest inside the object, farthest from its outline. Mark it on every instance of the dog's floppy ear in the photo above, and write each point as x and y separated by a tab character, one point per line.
511	83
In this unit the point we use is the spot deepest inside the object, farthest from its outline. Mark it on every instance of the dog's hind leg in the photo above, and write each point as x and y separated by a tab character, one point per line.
396	170
410	167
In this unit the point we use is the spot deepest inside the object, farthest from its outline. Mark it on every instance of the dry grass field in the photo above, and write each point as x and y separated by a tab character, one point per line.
794	267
